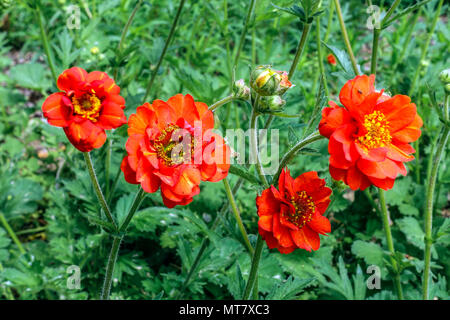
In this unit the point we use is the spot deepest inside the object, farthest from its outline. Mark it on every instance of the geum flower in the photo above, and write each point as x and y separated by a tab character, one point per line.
88	105
369	138
292	216
171	145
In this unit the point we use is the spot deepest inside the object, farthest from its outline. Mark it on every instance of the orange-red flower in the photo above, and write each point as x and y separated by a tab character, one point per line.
292	216
88	104
369	138
171	145
331	59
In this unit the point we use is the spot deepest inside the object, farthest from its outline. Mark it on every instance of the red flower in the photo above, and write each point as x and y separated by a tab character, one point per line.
368	138
331	59
292	217
89	104
171	145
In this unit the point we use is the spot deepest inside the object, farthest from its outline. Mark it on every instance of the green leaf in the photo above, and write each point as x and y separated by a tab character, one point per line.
30	75
370	252
403	12
413	231
289	289
344	61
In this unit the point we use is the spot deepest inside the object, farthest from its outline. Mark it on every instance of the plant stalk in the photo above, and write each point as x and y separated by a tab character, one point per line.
390	243
429	201
345	35
166	45
97	189
237	216
110	268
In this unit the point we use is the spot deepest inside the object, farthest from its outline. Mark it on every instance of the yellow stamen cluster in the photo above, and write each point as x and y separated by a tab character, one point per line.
164	146
304	209
378	134
87	106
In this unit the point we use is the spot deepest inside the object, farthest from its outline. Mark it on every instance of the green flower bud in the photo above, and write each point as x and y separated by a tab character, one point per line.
268	82
444	76
271	104
240	90
447	88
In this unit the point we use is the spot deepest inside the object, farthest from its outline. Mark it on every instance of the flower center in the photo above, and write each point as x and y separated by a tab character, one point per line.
378	134
304	209
87	106
172	152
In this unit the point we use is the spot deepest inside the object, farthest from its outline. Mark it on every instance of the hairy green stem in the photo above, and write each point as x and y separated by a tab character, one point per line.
425	48
390	242
237	215
315	136
254	145
110	268
345	36
319	56
244	32
376	38
140	195
45	42
254	269
429	201
205	242
97	189
221	102
300	47
166	45
11	233
124	33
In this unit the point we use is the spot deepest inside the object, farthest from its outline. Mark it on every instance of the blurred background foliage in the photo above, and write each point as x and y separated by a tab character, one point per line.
45	192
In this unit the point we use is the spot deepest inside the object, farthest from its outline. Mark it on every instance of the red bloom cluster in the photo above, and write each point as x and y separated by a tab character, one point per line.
171	145
292	216
88	105
369	138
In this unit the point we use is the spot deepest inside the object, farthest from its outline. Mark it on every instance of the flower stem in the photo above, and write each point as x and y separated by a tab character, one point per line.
11	233
44	39
237	216
376	38
140	195
425	48
244	32
429	202
107	166
205	242
221	102
166	45
300	47
254	144
254	268
315	136
110	268
97	189
390	243
124	33
319	56
345	35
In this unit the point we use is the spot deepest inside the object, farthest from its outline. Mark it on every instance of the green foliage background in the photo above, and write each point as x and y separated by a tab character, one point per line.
45	191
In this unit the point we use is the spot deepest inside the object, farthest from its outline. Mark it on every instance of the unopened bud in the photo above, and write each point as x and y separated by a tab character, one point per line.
240	90
271	104
95	50
42	154
268	82
447	88
444	76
